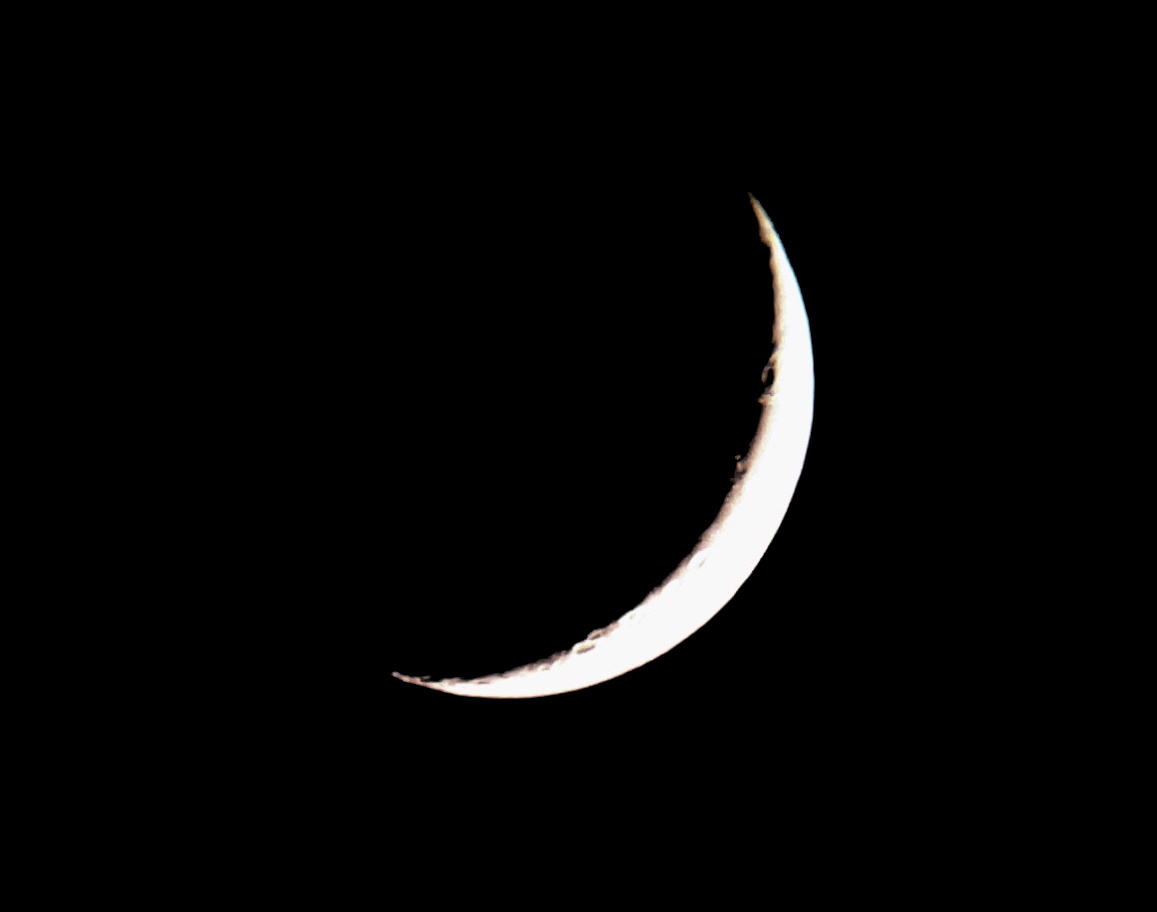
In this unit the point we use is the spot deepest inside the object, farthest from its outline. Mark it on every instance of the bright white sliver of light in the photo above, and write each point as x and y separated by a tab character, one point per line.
729	550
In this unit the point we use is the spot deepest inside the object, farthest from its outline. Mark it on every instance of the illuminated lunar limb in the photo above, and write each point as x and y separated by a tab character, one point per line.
728	551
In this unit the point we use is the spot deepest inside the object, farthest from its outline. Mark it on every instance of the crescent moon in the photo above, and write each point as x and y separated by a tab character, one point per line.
727	552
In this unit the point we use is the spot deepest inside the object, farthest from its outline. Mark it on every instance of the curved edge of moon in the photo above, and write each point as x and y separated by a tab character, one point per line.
727	552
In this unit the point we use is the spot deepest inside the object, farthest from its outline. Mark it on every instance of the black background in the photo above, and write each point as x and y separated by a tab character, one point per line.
463	415
440	393
516	411
485	418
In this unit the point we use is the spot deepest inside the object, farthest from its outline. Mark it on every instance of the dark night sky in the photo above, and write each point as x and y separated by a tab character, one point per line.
445	407
492	421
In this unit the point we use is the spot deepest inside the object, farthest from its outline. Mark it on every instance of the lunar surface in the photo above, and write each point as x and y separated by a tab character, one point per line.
727	552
